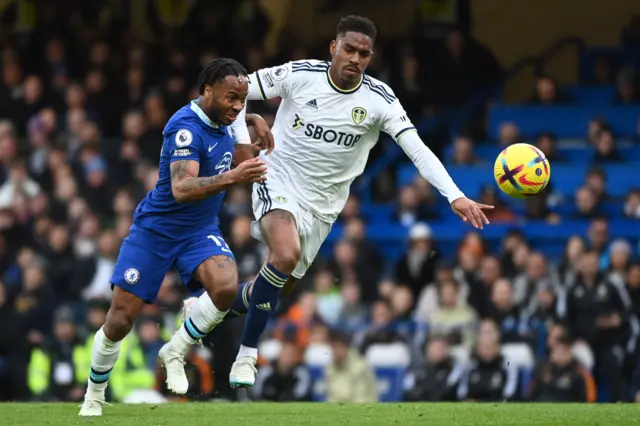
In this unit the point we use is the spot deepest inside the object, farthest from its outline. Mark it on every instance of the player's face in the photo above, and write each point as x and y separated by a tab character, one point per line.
224	100
351	53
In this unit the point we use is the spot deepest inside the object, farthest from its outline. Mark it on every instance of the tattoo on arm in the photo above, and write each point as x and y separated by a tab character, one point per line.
189	187
179	170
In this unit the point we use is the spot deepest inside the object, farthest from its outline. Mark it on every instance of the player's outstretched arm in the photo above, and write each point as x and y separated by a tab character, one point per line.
432	169
186	186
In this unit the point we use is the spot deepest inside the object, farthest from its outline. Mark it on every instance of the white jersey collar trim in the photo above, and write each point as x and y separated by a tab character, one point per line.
200	113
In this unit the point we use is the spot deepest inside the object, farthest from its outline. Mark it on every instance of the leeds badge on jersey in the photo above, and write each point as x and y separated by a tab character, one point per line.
358	115
183	138
279	73
132	276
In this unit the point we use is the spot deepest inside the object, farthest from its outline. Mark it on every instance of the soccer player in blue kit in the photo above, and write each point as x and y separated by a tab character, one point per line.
176	225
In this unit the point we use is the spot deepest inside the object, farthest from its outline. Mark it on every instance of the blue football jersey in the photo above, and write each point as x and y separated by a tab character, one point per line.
189	135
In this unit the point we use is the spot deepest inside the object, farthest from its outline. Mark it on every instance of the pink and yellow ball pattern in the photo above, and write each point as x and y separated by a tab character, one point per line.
521	170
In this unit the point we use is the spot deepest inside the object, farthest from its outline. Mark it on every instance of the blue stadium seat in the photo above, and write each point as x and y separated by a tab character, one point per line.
586	95
391	239
564	121
488	153
565	178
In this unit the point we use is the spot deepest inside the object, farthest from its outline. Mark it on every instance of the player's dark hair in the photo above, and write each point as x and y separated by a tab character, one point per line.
357	24
218	70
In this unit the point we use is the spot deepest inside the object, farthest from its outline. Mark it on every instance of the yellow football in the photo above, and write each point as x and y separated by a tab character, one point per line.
521	170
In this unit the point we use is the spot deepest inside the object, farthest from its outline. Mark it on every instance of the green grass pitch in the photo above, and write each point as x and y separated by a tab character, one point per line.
264	414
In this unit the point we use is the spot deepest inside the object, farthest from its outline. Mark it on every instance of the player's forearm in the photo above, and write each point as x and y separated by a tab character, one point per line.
197	188
429	166
243	152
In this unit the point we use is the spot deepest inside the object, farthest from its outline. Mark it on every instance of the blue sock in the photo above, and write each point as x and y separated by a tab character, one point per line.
240	304
263	301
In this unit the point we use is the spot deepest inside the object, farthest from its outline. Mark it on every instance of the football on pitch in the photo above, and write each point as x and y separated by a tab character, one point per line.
521	170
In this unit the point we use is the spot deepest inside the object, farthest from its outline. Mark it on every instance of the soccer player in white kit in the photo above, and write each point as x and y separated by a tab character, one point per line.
329	119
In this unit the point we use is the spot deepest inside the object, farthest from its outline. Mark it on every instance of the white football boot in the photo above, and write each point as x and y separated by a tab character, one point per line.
91	407
243	373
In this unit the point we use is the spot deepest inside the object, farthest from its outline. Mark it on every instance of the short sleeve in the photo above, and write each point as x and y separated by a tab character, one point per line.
270	83
394	121
182	142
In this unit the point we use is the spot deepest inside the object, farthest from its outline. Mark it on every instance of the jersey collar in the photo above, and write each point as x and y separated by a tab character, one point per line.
342	91
200	113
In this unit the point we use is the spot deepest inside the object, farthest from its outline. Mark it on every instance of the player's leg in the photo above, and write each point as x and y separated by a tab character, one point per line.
136	279
208	260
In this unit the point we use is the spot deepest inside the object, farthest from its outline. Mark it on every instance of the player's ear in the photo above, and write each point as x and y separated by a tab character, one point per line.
332	48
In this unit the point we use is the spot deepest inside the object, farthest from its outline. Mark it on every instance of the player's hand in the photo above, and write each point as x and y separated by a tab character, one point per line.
249	171
470	211
263	131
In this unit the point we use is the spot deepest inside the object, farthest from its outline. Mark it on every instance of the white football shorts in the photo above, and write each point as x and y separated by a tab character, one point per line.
269	196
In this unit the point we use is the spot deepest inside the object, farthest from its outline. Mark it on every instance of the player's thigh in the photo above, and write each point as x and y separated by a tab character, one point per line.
142	264
276	213
314	234
207	260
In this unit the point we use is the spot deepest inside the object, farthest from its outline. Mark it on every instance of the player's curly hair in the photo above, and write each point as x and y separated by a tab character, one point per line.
217	70
358	24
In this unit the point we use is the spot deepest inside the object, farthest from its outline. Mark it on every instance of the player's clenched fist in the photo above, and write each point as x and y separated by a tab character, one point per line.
253	170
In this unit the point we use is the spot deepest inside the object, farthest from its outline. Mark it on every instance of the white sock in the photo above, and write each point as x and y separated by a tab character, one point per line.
103	357
204	318
246	351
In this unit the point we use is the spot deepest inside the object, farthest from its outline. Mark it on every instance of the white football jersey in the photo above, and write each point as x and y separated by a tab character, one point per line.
323	134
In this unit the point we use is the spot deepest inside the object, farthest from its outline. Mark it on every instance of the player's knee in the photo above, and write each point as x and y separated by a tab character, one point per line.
285	259
118	324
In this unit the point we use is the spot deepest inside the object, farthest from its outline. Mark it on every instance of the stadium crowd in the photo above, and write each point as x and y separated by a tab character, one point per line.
83	110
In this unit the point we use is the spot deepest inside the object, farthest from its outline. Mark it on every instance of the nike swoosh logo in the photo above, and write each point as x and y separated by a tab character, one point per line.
212	147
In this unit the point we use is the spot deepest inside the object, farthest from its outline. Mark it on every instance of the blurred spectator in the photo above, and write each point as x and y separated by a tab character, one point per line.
429	299
569	265
382	327
369	261
598	240
540	315
285	379
353	312
501	211
18	183
627	87
596	181
455	320
505	312
632	205
349	378
489	377
245	248
508	134
633	287
630	37
463	154
410	210
55	371
561	378
436	378
597	314
536	274
416	267
619	261
351	208
329	300
547	143
345	266
596	127
606	151
586	204
547	92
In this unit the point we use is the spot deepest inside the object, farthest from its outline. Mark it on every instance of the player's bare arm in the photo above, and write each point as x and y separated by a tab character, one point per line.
186	186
